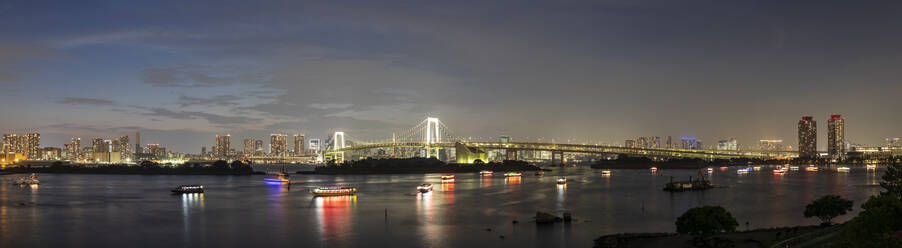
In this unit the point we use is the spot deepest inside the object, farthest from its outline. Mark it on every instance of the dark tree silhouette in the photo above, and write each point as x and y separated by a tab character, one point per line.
828	207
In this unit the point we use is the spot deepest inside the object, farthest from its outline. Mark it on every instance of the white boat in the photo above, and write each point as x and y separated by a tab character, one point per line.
872	167
606	173
425	188
811	168
513	174
33	179
793	168
188	189
710	170
562	180
842	169
486	173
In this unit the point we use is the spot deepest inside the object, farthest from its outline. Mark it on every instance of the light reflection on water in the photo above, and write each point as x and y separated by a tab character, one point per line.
65	208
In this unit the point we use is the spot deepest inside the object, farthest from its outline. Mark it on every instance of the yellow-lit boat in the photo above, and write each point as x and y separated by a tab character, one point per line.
333	191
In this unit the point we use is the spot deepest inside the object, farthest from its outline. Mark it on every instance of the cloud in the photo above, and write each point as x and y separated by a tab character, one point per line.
192	115
330	105
14	54
191	75
220	100
86	101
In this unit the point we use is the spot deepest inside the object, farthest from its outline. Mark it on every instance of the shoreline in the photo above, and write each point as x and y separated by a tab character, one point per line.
761	237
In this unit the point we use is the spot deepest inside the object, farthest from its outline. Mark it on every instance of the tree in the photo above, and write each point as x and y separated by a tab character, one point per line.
148	164
877	225
892	180
706	220
828	207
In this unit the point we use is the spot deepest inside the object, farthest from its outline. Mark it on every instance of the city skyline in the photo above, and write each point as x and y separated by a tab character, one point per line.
596	71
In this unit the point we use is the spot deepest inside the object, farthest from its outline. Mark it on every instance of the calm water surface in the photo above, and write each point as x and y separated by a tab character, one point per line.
240	211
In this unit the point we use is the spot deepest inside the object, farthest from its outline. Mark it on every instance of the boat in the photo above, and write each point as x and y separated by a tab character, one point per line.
606	173
710	170
188	189
842	169
653	169
333	191
872	167
540	173
744	170
793	168
757	168
700	183
448	177
30	180
562	180
280	178
425	188
486	173
780	171
513	174
811	168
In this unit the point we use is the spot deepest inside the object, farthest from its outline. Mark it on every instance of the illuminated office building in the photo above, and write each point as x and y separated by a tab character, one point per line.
223	145
278	145
249	146
299	145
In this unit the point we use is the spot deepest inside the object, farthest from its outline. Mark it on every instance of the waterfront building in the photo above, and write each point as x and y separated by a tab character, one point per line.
138	143
299	145
690	143
504	139
223	145
893	142
125	149
278	145
807	137
835	136
629	143
75	149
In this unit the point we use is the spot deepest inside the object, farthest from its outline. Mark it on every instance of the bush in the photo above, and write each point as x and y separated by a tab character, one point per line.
706	220
828	207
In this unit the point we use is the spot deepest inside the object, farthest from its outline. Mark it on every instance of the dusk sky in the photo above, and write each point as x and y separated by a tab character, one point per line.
183	71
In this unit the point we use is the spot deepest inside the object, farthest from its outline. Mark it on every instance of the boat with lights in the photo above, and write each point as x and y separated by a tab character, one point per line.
842	169
540	173
425	188
700	183
188	189
30	180
486	173
333	191
513	174
606	173
811	168
562	180
280	178
448	177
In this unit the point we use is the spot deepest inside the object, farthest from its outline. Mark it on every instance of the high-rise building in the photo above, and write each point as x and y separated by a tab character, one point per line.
248	146
125	149
504	139
669	143
223	145
893	142
299	145
771	145
12	143
730	144
138	148
807	137
155	150
629	143
32	147
315	146
75	149
97	145
642	142
836	132
258	147
278	145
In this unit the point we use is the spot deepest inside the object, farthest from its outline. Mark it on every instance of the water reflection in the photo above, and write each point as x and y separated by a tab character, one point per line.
334	216
486	181
191	202
426	216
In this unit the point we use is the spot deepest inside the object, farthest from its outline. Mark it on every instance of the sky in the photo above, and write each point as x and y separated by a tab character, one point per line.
579	71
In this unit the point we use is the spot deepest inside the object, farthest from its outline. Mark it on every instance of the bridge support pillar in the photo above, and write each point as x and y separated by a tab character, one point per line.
557	158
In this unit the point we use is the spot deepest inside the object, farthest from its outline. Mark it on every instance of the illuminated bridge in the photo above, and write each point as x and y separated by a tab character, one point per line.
431	137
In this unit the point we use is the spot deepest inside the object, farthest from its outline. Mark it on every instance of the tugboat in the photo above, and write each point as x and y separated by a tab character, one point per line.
700	183
31	180
333	191
188	189
425	188
562	180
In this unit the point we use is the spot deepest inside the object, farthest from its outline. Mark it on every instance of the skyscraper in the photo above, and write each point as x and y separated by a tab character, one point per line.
807	137
32	146
249	146
315	145
836	132
278	144
223	145
125	149
258	147
75	149
138	142
299	145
